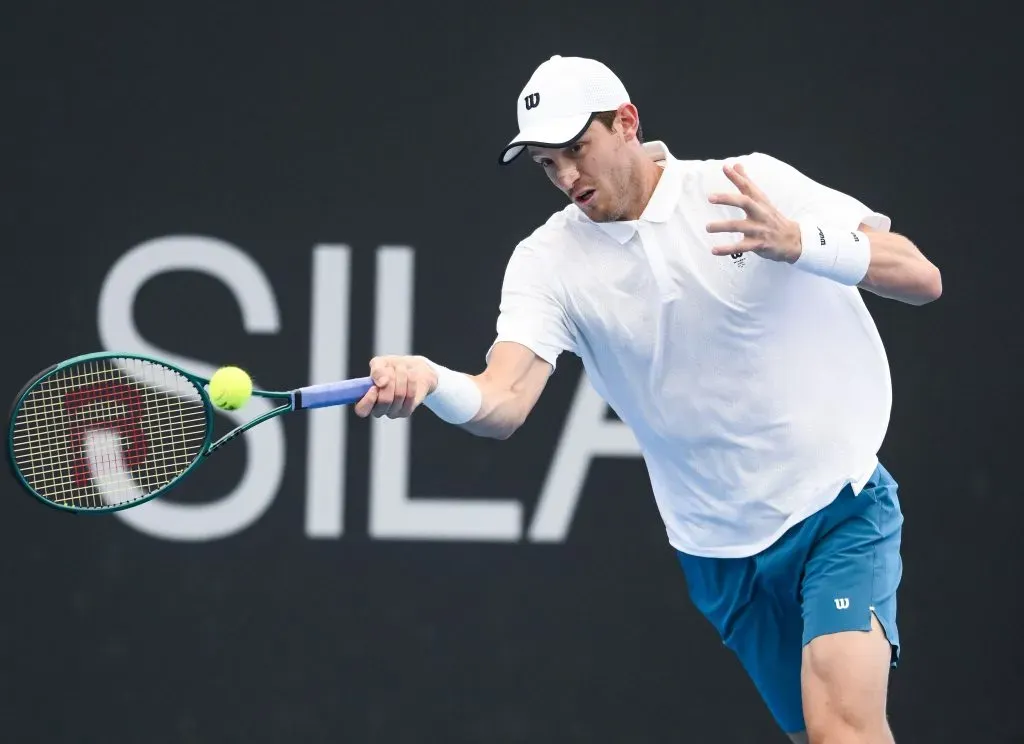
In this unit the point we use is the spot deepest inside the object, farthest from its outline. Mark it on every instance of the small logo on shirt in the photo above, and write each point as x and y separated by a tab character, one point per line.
532	101
739	260
842	603
821	236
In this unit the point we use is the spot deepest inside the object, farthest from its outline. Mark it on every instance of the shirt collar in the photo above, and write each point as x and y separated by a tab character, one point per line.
663	200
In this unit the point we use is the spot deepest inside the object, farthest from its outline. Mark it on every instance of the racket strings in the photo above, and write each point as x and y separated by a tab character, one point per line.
105	433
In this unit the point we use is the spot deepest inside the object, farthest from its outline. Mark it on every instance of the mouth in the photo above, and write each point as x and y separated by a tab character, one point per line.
584	197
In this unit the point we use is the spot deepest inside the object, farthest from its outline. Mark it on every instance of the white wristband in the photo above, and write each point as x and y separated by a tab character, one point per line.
456	399
840	255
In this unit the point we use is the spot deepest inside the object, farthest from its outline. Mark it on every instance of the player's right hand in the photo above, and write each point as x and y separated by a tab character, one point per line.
400	385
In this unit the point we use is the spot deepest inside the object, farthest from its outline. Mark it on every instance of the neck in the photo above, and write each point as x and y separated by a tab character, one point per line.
649	173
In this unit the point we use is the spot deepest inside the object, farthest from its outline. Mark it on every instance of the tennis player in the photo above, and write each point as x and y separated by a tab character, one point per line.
716	307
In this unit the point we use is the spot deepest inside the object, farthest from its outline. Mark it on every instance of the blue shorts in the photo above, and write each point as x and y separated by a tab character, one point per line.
825	575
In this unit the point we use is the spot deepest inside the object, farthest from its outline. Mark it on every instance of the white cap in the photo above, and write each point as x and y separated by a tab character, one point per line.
560	101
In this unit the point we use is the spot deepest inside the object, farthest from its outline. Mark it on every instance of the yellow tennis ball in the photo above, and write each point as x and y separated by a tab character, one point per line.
230	388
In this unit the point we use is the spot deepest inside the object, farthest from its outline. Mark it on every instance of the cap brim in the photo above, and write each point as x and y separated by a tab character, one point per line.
560	132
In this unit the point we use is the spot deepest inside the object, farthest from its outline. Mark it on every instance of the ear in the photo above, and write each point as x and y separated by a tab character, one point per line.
629	119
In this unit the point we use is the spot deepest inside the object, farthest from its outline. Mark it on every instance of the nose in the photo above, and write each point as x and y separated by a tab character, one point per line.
567	177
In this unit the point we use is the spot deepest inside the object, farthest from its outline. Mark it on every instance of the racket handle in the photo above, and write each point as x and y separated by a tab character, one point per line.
341	393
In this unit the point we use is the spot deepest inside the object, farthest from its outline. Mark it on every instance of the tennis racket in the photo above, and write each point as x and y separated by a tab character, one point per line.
103	432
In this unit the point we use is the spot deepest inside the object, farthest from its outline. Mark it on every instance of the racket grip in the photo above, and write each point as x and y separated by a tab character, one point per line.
341	393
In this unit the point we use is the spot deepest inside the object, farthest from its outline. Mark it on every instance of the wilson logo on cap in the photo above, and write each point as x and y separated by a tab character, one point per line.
532	101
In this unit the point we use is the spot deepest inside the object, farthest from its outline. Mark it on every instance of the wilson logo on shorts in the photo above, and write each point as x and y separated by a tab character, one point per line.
842	603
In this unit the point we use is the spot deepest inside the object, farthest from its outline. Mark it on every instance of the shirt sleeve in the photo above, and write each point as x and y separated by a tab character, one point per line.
531	312
801	198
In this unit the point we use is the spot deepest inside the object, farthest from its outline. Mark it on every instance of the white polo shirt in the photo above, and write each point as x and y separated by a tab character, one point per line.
755	389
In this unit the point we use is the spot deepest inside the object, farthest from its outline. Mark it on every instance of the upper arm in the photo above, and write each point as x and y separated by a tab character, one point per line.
800	197
532	312
533	329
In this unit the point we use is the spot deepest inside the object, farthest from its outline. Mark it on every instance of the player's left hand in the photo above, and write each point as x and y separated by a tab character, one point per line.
766	231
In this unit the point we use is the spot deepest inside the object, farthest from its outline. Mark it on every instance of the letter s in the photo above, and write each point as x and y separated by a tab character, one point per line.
265	445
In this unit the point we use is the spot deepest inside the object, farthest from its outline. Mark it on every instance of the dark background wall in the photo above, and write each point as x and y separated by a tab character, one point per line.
277	128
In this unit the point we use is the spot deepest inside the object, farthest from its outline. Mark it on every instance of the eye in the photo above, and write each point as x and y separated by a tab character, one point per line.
577	148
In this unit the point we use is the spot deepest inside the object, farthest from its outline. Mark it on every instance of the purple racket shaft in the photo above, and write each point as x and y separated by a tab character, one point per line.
342	393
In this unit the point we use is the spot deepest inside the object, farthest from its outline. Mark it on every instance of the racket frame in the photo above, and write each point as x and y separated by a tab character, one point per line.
208	447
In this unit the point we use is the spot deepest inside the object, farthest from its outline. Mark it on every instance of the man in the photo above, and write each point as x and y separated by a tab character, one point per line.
715	307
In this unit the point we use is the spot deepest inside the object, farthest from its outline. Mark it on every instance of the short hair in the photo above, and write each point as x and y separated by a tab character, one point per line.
608	119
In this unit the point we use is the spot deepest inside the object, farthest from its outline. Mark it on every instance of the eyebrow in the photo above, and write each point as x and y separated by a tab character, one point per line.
581	141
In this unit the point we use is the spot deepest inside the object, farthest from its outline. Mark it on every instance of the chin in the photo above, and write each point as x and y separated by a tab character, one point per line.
599	215
602	215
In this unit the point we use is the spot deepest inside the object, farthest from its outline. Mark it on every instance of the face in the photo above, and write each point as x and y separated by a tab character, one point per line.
597	172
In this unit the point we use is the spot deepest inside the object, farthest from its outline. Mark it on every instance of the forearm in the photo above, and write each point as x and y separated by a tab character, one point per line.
503	409
884	263
899	271
496	402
